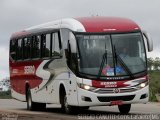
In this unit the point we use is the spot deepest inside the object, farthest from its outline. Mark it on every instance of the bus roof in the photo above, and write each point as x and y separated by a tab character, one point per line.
84	24
108	24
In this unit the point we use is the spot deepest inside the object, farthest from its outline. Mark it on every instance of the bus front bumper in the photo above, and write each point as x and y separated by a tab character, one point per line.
89	98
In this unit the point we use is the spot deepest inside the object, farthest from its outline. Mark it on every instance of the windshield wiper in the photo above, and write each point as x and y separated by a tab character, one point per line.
119	59
102	63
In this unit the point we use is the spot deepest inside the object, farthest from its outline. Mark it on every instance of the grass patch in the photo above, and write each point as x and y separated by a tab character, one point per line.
154	84
5	95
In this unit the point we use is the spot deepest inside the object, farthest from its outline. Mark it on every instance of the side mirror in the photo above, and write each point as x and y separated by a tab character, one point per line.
149	41
73	43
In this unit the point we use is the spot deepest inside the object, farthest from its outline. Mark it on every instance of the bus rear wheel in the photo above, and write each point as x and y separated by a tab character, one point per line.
33	105
124	109
30	104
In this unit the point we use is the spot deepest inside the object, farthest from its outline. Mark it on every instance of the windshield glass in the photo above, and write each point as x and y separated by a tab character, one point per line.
130	50
111	55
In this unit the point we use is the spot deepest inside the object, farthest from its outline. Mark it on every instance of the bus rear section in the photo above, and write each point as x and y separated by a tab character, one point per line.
81	62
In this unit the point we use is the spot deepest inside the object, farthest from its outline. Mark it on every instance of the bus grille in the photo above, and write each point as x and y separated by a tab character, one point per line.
114	98
111	90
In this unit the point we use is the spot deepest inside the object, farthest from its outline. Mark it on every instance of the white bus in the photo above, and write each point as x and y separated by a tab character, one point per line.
79	63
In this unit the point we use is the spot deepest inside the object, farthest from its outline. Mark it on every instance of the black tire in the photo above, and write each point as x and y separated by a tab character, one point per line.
65	107
40	106
84	108
30	104
33	105
124	109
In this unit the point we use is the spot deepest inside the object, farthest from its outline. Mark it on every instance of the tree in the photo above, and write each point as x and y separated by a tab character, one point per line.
157	63
150	62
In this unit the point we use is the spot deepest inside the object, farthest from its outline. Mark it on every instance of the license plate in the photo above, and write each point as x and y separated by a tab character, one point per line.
117	102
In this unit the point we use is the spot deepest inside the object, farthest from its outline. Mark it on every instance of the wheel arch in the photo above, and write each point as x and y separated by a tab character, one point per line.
62	92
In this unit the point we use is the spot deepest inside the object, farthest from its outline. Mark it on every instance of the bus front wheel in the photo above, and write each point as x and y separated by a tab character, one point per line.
124	109
67	108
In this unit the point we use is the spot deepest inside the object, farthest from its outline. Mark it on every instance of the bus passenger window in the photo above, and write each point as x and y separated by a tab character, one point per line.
13	49
46	41
20	50
27	48
36	47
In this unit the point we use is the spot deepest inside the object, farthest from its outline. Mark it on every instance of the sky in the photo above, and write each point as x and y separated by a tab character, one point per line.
16	15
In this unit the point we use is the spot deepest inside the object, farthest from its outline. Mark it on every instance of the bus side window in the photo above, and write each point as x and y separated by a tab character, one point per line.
46	41
20	49
55	44
36	47
13	49
71	58
68	54
27	48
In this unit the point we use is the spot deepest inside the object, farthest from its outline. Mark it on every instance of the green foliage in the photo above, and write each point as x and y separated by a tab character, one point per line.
153	63
157	63
5	95
154	83
150	62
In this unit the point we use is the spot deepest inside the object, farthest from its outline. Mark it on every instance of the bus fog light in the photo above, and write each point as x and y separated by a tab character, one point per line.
84	98
143	96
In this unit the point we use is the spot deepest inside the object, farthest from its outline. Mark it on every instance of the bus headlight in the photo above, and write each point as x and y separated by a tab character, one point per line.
142	85
86	87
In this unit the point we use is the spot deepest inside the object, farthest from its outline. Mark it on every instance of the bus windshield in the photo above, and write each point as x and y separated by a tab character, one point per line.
111	55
